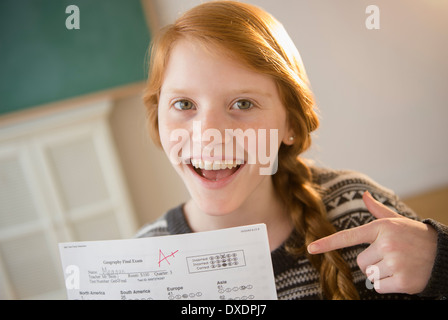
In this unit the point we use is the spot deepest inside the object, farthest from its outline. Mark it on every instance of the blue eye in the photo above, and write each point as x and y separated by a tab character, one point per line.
242	105
183	105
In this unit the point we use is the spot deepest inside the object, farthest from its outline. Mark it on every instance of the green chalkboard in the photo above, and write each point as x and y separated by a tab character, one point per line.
41	61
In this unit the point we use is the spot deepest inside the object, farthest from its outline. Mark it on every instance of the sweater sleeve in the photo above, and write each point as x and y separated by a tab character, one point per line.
438	282
342	195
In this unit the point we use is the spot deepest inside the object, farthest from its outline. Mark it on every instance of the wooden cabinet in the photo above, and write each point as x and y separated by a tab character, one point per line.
60	180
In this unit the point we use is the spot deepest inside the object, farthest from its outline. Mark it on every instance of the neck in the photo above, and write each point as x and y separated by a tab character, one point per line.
263	206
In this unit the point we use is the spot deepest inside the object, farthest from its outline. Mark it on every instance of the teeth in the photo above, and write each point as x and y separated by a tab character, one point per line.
216	164
208	165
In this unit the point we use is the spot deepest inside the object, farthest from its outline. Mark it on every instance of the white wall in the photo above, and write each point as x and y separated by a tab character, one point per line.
382	93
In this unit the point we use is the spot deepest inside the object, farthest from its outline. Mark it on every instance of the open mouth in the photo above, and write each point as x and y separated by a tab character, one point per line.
217	169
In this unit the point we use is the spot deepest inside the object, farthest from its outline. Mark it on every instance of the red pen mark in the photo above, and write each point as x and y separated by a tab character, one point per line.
161	254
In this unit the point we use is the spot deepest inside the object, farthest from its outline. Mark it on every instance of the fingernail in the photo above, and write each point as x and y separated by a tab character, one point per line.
312	248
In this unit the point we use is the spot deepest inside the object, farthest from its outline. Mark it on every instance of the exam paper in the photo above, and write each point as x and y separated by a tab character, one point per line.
232	263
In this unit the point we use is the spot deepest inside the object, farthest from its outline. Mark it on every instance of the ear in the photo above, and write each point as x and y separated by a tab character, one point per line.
289	137
289	140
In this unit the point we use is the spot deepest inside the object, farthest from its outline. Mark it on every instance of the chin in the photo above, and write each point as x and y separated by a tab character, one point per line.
216	207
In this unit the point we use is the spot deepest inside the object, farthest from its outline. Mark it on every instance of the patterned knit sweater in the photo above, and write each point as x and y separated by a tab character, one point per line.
295	278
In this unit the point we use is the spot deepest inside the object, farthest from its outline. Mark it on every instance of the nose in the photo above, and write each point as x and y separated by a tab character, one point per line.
213	119
209	132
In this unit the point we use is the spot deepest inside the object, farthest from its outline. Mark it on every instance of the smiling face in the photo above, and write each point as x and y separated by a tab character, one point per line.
206	93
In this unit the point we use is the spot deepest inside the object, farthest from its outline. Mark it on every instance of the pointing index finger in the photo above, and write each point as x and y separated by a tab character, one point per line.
346	238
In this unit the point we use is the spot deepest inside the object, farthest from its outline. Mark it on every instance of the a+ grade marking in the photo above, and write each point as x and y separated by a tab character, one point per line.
165	257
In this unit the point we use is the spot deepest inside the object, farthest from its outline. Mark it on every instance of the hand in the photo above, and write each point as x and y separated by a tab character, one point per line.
402	250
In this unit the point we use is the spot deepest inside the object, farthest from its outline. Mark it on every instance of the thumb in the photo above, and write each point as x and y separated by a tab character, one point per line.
376	208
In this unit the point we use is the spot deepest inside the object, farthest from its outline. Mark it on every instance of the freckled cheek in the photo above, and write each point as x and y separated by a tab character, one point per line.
165	140
175	141
164	133
271	135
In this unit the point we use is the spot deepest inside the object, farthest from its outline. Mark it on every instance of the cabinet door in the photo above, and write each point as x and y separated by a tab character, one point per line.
84	183
28	259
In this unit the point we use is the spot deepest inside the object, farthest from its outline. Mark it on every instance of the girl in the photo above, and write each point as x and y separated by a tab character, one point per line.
231	66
